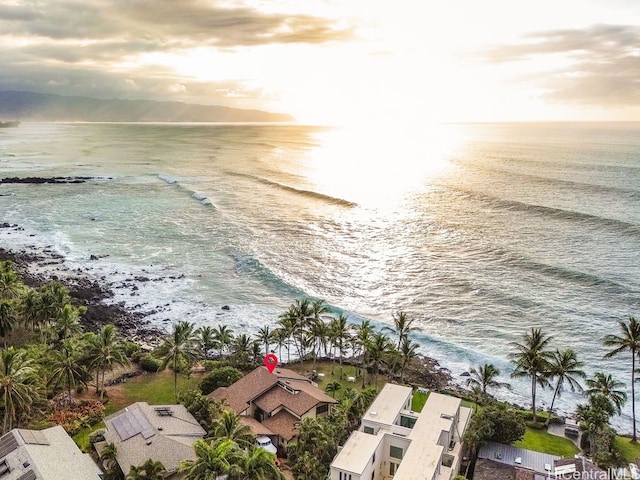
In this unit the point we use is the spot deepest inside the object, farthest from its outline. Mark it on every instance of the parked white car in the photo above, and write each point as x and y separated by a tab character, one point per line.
265	442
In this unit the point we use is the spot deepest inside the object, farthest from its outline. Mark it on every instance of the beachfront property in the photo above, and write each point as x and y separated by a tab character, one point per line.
48	454
164	433
395	442
271	404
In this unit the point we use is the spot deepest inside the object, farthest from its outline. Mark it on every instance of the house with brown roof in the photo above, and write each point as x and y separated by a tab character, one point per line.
272	403
163	433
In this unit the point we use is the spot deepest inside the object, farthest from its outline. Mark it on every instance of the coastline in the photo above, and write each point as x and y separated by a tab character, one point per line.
39	268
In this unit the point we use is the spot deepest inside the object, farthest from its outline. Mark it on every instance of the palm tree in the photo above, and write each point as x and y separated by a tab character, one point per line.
332	388
207	339
212	459
532	360
241	347
604	384
223	336
179	346
378	349
565	368
67	369
256	463
628	341
265	336
296	320
280	338
18	385
67	324
402	326
10	284
7	319
228	426
339	329
364	331
104	351
149	470
484	377
319	333
30	309
408	351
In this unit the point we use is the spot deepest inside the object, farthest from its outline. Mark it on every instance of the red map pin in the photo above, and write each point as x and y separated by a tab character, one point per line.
270	361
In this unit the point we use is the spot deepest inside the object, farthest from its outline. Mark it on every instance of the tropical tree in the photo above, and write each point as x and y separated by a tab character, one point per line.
181	345
67	368
532	360
364	333
319	334
485	376
30	308
332	388
149	470
228	426
402	326
296	321
256	463
627	342
242	348
10	284
104	351
280	338
7	319
223	336
339	332
206	339
67	323
18	385
566	369
265	337
605	385
212	459
408	351
379	348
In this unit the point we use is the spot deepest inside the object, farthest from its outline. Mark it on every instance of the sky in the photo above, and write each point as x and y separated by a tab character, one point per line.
337	62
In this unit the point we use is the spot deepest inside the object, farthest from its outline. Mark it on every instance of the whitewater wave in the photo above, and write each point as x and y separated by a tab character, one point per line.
298	191
201	198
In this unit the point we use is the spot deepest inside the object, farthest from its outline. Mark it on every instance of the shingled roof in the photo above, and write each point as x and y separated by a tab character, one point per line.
258	386
283	424
164	433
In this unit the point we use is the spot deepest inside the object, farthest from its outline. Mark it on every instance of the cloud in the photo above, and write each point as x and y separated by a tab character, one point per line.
601	64
75	47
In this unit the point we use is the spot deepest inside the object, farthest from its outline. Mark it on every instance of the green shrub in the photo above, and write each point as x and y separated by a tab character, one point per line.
536	425
150	364
220	377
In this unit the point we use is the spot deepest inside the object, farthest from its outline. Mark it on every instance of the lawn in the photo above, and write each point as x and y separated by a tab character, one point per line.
630	450
541	441
418	401
156	389
325	367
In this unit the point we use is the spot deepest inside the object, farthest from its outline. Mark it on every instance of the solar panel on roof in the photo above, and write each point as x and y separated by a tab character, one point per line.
8	444
33	437
132	423
28	475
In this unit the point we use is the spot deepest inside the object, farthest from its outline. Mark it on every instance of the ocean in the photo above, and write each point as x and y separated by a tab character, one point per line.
478	231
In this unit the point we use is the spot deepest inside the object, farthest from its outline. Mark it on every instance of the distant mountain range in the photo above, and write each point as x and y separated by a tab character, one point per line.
26	106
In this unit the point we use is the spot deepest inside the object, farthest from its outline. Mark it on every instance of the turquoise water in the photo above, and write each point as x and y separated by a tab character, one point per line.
478	231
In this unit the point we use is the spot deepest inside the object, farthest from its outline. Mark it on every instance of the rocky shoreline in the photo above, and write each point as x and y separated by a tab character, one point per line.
45	265
84	292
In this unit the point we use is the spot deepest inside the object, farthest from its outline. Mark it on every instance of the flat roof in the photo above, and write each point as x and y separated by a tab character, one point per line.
387	405
507	454
357	452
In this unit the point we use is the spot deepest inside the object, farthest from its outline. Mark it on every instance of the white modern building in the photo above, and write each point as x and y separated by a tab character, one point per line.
395	442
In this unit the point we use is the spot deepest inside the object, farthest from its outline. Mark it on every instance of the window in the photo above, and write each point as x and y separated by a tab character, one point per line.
373	460
373	475
368	430
407	422
395	452
393	467
322	409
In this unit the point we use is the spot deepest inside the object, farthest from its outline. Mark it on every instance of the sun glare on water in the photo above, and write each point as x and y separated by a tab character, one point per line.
379	167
